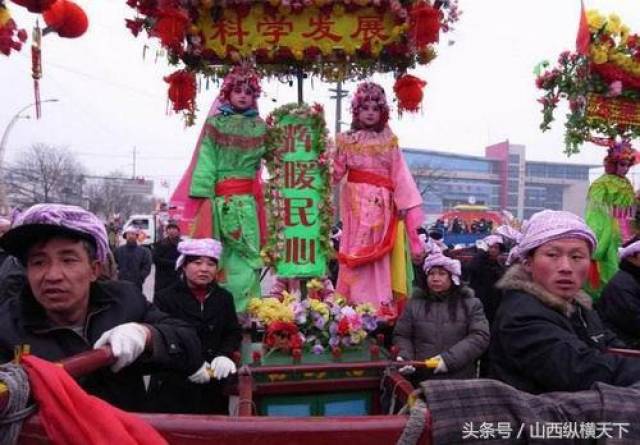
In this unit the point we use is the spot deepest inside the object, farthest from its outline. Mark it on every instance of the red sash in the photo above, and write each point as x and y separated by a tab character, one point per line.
234	186
369	254
366	177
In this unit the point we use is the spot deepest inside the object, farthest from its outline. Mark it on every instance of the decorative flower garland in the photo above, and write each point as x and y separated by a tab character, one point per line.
311	324
601	86
275	247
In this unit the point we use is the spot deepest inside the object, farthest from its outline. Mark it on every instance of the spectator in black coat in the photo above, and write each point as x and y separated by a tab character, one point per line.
619	303
65	310
165	254
198	300
134	261
545	336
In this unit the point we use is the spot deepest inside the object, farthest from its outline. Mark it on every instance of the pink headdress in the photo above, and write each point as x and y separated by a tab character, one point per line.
550	225
241	74
618	151
366	92
198	247
437	259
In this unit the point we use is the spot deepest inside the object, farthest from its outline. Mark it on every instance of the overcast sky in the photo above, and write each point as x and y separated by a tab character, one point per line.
480	88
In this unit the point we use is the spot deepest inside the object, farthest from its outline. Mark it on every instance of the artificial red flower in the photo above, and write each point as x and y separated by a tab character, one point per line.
171	26
135	26
343	326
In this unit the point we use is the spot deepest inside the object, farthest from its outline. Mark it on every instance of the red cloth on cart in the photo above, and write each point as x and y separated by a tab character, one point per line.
70	416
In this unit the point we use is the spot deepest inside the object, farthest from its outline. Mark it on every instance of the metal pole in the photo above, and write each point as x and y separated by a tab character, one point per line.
3	145
133	176
339	95
300	76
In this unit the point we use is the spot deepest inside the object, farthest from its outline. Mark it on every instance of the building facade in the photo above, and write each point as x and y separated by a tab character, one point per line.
502	179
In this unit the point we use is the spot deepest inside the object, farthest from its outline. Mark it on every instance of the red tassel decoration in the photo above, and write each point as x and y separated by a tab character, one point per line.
408	90
182	90
67	19
424	24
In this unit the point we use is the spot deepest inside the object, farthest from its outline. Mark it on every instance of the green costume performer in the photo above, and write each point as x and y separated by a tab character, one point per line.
227	172
611	205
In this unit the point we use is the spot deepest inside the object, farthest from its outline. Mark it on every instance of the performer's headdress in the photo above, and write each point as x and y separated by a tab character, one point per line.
618	151
369	91
240	75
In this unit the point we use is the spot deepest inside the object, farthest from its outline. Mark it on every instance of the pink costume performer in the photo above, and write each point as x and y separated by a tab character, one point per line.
378	191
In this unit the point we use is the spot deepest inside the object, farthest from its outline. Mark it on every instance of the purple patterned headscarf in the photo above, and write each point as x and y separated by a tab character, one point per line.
69	219
492	240
508	232
437	259
550	225
198	247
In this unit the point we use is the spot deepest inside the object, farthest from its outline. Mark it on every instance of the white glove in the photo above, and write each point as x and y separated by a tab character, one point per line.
202	375
222	366
442	366
407	369
127	342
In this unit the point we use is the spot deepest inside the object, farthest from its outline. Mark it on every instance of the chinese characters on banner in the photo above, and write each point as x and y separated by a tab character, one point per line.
310	28
301	192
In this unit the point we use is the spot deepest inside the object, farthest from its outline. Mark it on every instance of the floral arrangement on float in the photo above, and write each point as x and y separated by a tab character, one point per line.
600	81
11	37
293	326
298	192
334	39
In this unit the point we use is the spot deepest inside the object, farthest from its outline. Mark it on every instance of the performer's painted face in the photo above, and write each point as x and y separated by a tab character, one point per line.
369	114
241	97
623	166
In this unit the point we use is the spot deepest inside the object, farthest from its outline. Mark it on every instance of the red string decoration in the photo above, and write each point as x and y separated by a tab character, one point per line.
424	24
35	6
408	90
67	19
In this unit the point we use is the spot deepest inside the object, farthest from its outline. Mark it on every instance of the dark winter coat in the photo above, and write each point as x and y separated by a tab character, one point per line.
542	343
165	255
12	278
217	325
134	263
111	303
420	334
619	304
483	274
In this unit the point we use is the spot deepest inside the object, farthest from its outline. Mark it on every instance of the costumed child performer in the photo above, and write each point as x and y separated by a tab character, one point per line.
227	174
378	193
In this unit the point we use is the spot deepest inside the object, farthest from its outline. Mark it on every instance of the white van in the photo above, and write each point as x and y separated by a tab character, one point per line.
147	226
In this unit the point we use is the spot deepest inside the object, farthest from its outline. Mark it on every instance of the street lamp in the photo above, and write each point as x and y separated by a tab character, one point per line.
3	145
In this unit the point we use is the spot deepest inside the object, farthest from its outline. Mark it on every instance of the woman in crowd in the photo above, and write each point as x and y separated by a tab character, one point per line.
545	336
198	300
443	321
378	192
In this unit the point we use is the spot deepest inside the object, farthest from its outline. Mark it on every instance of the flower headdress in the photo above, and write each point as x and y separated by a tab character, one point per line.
366	92
242	74
618	151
